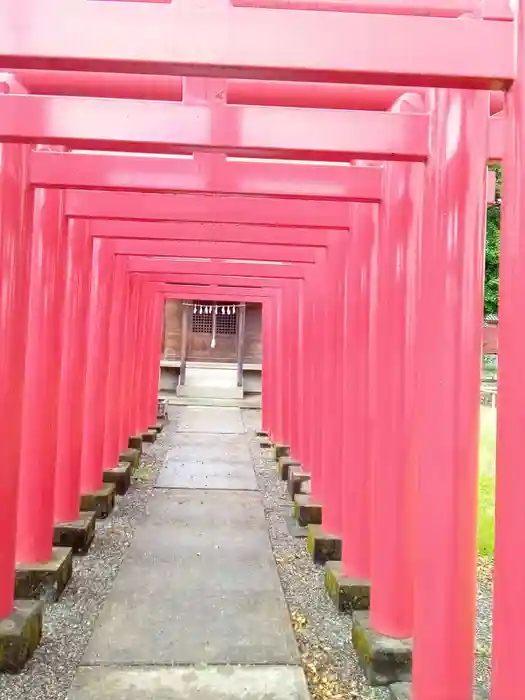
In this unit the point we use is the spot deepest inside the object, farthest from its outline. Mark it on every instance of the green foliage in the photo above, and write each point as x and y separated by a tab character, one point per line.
486	497
492	250
487	480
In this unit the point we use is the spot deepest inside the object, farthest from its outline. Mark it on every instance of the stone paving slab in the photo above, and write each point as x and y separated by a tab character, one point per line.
224	609
191	627
210	475
206	419
252	420
193	440
192	561
215	682
215	451
201	511
197	610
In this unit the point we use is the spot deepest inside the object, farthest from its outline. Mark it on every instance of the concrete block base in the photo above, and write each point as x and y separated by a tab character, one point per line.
119	476
101	501
157	427
132	456
77	534
20	635
306	511
322	545
281	450
149	436
285	464
403	691
348	594
293	527
135	443
298	482
384	660
265	444
261	433
44	581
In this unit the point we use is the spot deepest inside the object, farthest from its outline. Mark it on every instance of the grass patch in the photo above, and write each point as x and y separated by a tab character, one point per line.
486	484
486	515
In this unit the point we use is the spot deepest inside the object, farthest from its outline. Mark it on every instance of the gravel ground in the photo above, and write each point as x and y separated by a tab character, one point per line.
68	624
323	633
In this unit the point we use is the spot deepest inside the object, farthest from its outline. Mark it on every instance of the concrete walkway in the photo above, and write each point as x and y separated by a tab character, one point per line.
197	610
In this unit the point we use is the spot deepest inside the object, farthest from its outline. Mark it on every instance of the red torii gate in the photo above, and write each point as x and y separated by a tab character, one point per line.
366	66
252	230
296	215
54	33
280	207
146	174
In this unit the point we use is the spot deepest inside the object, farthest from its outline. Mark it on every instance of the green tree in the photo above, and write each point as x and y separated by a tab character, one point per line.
492	250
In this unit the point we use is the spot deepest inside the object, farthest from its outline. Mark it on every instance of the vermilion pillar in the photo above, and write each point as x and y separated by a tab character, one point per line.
266	368
289	329
278	374
127	424
42	363
157	336
285	322
15	251
313	344
323	348
113	378
274	350
152	385
270	382
509	567
393	475
299	383
75	317
295	400
143	356
125	353
137	340
96	367
356	449
120	398
446	416
329	367
148	352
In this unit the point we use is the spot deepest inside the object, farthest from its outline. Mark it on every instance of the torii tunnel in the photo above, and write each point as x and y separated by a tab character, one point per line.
328	161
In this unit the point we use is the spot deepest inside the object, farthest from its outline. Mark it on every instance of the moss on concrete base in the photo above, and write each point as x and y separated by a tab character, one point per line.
307	512
281	450
403	691
76	534
400	691
384	660
135	443
120	476
285	464
35	581
149	436
132	456
101	502
347	593
323	546
297	481
20	635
